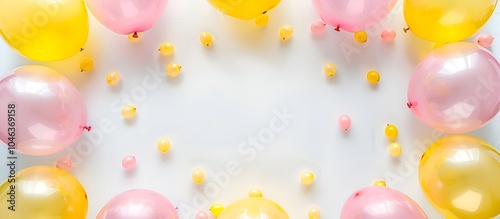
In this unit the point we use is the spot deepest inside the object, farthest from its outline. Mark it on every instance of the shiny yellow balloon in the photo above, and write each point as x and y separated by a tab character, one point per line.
447	20
460	176
44	30
43	192
244	9
253	207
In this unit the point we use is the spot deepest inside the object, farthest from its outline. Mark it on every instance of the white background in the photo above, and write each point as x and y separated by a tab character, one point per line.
229	92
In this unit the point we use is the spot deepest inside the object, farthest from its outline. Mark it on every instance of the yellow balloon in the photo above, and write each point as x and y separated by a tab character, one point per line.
460	176
44	30
244	9
253	207
447	20
42	192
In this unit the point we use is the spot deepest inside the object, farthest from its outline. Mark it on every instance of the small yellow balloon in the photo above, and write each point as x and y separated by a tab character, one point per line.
44	30
244	9
216	209
460	176
254	207
447	21
43	192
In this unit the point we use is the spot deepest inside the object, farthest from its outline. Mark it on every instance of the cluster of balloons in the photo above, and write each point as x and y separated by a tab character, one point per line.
52	30
455	89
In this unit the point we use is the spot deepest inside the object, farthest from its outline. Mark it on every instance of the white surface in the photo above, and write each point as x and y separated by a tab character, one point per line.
229	93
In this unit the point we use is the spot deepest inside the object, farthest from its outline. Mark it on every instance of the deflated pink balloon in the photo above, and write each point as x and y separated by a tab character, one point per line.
378	202
353	15
42	111
127	16
456	88
138	204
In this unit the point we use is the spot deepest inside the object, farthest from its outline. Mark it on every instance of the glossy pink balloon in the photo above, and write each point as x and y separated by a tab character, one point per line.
353	15
378	202
456	88
138	204
49	112
127	16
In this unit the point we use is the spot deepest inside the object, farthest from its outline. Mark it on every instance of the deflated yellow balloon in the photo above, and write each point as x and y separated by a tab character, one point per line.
253	207
44	30
447	20
42	192
244	9
460	176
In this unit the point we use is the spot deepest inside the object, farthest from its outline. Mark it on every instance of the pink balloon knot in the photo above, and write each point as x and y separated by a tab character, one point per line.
409	104
135	35
88	128
337	29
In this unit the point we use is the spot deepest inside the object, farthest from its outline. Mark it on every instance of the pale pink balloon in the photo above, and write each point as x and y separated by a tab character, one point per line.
127	16
353	15
138	204
378	202
456	88
318	27
49	112
129	162
344	122
388	35
485	40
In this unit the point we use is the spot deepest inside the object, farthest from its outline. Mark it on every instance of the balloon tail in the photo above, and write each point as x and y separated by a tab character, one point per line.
88	128
406	29
81	49
337	29
409	104
265	12
135	35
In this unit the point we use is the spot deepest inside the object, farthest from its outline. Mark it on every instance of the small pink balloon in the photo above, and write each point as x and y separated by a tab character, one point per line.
138	204
485	40
128	162
48	113
378	202
344	122
127	16
64	163
201	215
318	27
388	35
456	88
353	15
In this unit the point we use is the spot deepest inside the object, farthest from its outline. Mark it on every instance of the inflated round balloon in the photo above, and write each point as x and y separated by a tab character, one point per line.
138	204
43	111
44	30
253	207
379	202
447	21
460	176
353	15
43	192
244	9
455	89
127	16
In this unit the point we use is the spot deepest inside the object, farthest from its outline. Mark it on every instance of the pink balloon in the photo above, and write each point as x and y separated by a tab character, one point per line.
353	15
138	204
127	16
378	202
456	88
49	112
